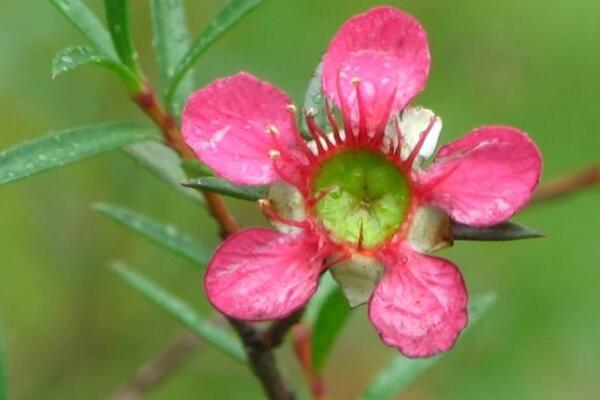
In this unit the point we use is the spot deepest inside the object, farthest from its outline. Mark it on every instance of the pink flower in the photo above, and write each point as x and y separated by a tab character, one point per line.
358	198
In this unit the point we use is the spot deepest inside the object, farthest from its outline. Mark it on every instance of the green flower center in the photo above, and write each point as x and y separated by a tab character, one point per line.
365	191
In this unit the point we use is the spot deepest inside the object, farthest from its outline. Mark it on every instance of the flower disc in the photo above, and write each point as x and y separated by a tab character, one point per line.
364	192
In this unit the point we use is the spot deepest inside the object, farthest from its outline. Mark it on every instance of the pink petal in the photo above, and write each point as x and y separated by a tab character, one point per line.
225	124
388	51
261	274
420	305
486	176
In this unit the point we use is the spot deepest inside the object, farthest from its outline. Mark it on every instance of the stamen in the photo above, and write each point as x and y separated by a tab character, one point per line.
408	163
380	130
362	118
291	108
350	137
331	118
314	129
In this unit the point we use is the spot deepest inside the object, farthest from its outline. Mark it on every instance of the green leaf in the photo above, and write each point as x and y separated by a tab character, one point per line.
194	169
117	16
87	23
72	58
57	149
230	15
218	185
315	101
165	235
171	42
182	312
402	371
164	163
331	319
500	232
3	381
327	286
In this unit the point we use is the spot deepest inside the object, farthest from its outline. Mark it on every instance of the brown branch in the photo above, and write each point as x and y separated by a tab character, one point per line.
148	103
262	360
259	345
586	178
158	367
302	347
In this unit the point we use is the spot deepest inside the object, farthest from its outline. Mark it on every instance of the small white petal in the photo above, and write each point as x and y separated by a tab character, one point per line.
288	203
413	121
430	230
357	278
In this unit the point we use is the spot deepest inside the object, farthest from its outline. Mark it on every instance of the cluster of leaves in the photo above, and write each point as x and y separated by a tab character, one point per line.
113	48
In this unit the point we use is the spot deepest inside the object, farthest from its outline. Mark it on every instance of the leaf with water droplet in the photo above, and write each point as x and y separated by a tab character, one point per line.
171	41
213	334
87	23
57	149
218	185
117	17
166	236
314	101
164	163
229	16
72	58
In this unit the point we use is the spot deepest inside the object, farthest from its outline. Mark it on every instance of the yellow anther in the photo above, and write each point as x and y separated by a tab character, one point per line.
291	108
274	154
263	203
310	112
272	129
355	81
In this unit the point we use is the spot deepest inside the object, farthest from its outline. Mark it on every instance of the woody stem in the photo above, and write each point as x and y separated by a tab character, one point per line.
259	344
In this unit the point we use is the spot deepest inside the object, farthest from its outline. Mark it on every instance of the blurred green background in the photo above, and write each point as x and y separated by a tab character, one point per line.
74	331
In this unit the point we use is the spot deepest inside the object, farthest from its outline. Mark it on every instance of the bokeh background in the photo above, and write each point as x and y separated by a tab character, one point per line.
74	331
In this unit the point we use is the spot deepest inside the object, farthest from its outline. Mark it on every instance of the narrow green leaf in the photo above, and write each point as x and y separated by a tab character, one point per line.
500	232
194	169
117	16
3	374
182	312
72	58
402	371
165	235
164	163
218	185
87	23
327	286
57	149
314	101
329	322
230	15
171	42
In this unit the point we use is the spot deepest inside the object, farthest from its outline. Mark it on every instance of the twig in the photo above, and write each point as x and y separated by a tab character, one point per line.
274	335
148	103
259	345
586	178
302	347
262	360
158	367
